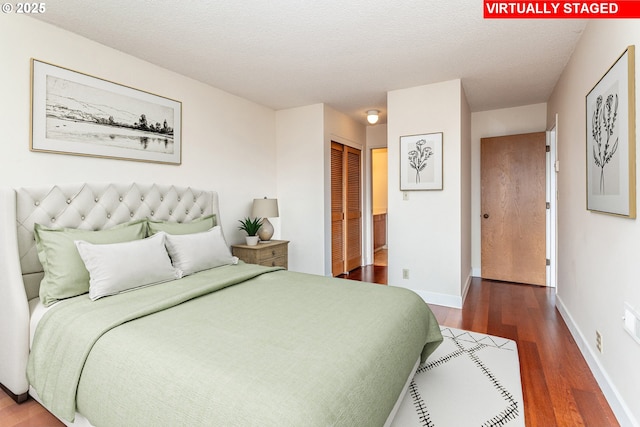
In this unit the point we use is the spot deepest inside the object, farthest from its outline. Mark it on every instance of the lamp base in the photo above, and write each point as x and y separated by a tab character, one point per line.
266	230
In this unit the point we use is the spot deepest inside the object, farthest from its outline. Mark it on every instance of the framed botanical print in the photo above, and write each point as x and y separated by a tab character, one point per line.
421	162
611	145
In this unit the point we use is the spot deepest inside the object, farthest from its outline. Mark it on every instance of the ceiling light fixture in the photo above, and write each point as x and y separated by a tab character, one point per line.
372	116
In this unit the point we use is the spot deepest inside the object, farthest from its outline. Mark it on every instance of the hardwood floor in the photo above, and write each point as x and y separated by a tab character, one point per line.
28	414
558	387
368	273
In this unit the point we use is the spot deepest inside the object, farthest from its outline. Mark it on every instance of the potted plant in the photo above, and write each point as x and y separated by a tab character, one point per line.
251	226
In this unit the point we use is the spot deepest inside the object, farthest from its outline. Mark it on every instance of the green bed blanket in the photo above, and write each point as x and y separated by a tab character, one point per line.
240	345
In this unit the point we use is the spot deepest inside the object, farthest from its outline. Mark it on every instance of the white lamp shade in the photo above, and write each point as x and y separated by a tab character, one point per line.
265	208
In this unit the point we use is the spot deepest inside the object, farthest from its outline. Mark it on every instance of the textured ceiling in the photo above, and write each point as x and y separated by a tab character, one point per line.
347	54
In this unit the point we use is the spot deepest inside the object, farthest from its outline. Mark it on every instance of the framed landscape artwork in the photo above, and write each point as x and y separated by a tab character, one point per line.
74	113
611	144
421	162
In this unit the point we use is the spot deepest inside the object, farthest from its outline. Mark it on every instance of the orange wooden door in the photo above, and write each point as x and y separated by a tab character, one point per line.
337	210
346	211
513	208
353	212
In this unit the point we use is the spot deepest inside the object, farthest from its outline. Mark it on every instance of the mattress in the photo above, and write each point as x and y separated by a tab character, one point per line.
37	310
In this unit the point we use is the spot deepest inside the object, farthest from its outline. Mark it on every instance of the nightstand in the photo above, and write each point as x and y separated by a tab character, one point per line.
272	253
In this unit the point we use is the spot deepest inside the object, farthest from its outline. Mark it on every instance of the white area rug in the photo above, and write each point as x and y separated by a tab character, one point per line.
471	379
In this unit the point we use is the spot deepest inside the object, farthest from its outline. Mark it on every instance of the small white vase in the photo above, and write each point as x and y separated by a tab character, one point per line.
252	240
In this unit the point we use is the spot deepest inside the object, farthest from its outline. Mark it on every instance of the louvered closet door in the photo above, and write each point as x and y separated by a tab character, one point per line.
353	211
346	212
337	210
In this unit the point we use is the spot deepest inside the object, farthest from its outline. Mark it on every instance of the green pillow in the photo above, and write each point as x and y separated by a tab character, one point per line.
65	275
171	227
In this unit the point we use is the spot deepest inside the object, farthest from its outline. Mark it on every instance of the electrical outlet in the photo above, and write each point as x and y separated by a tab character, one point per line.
405	273
599	341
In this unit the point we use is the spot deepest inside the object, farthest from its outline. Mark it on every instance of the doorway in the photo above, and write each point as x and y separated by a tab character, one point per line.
514	208
346	208
552	198
379	202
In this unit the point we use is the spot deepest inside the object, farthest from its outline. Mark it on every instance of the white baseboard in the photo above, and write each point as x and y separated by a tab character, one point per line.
446	300
618	406
476	272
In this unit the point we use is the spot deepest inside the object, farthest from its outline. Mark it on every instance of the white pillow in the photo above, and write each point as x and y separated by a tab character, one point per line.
117	267
195	252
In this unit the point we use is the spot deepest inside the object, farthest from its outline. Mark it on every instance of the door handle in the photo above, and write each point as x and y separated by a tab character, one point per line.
485	216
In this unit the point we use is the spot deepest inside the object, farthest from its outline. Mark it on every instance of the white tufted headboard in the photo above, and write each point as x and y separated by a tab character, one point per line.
92	206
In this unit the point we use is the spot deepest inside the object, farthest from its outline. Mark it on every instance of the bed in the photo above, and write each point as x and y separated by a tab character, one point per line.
208	340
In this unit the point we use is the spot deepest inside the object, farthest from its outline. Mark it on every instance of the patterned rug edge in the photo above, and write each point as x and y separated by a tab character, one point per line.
484	368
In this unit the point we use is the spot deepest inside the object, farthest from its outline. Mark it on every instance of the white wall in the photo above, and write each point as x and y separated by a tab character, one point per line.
228	143
507	121
301	187
377	136
465	195
598	269
425	232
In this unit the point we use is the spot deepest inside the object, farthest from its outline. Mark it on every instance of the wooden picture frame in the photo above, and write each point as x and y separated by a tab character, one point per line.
421	162
610	140
78	114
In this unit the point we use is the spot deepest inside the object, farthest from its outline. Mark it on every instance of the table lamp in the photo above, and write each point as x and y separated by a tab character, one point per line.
265	208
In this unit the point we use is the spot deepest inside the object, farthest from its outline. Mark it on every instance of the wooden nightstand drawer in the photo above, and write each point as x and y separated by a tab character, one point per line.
271	254
278	251
280	261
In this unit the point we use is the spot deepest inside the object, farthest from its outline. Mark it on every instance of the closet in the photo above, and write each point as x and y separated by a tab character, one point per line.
346	208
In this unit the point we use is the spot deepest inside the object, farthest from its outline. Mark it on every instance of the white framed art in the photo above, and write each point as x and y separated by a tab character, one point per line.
611	144
78	114
421	162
